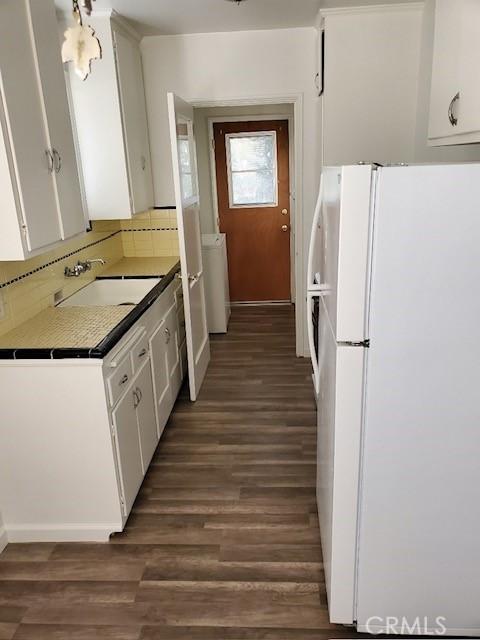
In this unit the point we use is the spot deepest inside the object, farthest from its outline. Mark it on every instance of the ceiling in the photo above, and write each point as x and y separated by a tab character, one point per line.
165	17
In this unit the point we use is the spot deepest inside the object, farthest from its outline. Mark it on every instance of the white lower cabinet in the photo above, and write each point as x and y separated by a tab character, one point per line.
135	434
143	389
77	435
173	355
161	376
146	417
129	457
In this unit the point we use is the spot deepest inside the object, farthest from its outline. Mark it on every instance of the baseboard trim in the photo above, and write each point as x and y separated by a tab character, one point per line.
3	539
99	532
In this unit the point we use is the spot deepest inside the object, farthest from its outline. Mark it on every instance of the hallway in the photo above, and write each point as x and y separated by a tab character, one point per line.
223	540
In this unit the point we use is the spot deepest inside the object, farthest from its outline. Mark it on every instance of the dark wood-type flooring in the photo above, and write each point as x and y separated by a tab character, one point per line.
223	540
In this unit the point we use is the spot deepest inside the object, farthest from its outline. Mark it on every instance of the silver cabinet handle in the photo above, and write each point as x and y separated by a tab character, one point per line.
451	116
123	380
139	395
168	334
142	353
50	162
58	161
144	163
136	400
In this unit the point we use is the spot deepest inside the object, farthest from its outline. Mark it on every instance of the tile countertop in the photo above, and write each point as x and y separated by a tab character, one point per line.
65	328
140	267
87	332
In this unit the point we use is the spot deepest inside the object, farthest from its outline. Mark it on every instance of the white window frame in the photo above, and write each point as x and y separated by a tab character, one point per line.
254	134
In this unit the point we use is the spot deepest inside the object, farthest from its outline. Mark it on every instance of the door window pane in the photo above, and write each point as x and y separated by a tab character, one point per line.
252	169
186	160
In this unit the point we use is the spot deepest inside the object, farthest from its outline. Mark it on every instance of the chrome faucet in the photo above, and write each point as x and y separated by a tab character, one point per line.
81	267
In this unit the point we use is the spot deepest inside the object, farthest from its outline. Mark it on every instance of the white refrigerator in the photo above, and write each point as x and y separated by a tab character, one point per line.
394	271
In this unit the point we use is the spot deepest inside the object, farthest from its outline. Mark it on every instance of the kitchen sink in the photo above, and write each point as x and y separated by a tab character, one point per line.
106	293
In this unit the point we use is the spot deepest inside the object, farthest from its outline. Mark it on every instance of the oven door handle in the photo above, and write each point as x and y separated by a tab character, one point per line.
311	341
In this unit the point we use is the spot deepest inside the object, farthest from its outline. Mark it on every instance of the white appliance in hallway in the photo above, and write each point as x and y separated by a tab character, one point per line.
395	267
217	291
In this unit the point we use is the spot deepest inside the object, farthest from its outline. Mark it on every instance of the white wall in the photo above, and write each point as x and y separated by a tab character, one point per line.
207	218
371	71
424	153
246	65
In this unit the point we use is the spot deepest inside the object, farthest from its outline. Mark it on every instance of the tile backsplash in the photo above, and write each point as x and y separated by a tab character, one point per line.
149	234
27	287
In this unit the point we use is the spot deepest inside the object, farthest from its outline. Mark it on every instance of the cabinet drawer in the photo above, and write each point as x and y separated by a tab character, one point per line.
118	381
140	353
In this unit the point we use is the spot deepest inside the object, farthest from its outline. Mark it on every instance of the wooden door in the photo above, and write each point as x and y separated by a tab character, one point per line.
253	186
185	178
67	181
147	423
128	448
134	118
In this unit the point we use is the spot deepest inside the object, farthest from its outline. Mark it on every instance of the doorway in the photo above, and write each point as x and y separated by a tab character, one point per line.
209	112
252	172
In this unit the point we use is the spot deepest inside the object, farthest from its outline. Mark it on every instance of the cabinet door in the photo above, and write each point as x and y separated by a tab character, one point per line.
48	52
22	114
173	355
147	423
128	448
161	377
445	71
469	85
134	115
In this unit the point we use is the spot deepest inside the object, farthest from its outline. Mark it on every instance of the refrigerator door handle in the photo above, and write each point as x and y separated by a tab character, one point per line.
311	341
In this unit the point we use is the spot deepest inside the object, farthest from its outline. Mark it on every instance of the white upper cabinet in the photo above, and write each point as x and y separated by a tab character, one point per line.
111	125
134	118
455	91
40	199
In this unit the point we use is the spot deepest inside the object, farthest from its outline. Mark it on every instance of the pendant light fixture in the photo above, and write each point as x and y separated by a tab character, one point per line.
81	46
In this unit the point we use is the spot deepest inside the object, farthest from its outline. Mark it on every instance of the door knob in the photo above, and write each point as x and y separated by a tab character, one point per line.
284	227
285	212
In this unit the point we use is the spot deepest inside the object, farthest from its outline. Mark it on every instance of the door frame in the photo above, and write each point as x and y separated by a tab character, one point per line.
291	162
296	193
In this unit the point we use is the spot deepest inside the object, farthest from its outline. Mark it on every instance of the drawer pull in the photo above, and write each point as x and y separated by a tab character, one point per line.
123	380
136	400
139	395
168	334
142	353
